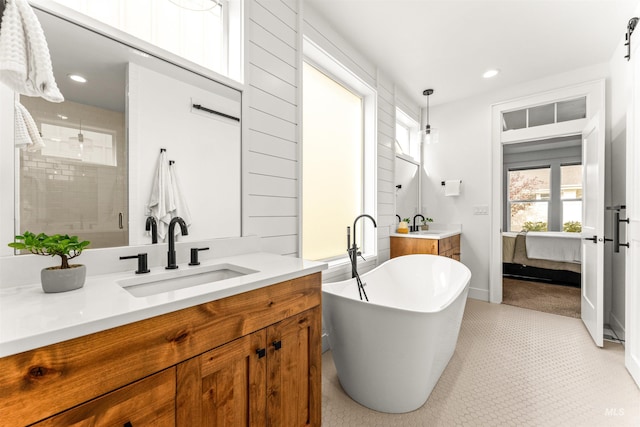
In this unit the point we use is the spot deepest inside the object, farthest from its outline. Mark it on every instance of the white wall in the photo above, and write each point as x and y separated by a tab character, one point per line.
464	152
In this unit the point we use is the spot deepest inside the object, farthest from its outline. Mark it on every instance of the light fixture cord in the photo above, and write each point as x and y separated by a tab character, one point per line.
427	111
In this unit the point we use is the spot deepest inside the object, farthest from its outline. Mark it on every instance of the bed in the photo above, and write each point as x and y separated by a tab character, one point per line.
542	256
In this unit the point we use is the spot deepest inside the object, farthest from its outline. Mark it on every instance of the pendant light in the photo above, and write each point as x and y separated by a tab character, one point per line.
429	135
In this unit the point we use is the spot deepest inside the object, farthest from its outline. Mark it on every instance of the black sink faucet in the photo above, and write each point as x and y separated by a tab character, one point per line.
171	256
152	225
414	221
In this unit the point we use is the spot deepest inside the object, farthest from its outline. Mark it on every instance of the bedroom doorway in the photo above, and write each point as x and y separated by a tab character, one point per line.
542	193
537	117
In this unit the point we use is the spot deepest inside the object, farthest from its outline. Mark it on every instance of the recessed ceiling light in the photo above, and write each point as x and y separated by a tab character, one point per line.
77	78
490	73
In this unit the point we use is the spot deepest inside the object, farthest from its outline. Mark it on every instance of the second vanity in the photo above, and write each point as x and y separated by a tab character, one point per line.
243	350
443	240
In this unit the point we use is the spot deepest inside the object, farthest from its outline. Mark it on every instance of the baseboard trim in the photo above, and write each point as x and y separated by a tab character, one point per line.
480	294
616	325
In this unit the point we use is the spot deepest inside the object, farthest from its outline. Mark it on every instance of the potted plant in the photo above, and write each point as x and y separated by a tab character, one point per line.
424	225
403	226
62	278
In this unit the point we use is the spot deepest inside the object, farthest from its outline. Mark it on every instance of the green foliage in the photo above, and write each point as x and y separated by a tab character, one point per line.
534	226
572	227
424	221
64	246
407	220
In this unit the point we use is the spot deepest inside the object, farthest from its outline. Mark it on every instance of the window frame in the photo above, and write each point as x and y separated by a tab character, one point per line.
554	159
331	67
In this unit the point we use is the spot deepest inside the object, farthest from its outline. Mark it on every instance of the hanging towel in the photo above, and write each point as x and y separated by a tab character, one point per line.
452	187
26	132
182	210
25	64
161	203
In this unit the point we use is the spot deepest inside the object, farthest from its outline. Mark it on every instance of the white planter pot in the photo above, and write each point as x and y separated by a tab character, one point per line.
63	279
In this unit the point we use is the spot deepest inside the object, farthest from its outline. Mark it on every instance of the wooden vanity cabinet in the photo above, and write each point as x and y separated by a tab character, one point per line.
149	402
195	366
269	378
449	246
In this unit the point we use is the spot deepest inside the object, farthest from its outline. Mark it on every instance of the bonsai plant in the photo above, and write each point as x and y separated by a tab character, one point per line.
424	225
64	277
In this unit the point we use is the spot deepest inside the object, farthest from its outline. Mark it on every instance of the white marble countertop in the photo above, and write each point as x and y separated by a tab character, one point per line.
436	231
29	318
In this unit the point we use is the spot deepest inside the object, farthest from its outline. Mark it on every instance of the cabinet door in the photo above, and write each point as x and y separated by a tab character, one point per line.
148	402
225	386
407	246
294	373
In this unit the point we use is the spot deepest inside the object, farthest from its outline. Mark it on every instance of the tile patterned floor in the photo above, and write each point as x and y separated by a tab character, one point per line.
512	367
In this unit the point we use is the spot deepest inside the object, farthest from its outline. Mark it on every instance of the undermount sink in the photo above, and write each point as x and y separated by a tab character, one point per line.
428	232
180	279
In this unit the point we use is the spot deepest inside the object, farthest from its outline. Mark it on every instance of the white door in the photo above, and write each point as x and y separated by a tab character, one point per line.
632	287
593	228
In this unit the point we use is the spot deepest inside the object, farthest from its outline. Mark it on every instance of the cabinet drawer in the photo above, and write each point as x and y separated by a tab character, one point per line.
149	402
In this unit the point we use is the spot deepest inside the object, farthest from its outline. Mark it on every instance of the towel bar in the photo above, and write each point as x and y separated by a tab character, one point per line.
208	110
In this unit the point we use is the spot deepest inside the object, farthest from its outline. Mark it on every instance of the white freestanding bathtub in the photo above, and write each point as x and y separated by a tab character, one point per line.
390	352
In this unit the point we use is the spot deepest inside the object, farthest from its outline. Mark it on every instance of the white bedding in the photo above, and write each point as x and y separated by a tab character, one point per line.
554	246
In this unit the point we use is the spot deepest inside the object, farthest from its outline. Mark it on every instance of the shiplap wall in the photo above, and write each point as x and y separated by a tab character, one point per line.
271	131
271	103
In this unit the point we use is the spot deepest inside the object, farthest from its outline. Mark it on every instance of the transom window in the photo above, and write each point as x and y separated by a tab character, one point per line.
200	36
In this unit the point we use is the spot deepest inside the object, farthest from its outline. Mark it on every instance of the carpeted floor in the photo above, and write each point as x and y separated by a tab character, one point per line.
555	299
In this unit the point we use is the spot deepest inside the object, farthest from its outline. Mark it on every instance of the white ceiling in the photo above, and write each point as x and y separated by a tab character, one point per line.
447	44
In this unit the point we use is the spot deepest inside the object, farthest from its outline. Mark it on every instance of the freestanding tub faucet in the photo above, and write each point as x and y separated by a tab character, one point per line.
353	251
171	256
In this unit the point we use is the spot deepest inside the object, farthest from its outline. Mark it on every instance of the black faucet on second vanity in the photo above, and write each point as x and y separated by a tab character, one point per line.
171	255
414	228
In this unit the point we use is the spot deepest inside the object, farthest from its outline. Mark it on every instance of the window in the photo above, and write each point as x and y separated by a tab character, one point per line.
79	144
199	36
407	136
571	196
562	111
529	195
337	163
539	202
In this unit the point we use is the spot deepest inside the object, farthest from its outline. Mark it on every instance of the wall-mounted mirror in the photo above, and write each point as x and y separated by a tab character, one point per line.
407	165
407	188
94	176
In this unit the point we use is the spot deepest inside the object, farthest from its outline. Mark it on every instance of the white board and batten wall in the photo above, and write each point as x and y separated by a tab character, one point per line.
272	112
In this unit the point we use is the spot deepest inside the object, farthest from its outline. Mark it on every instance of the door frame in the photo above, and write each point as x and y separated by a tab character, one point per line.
595	94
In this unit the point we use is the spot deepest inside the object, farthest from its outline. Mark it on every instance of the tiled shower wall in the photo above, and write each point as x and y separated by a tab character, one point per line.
62	195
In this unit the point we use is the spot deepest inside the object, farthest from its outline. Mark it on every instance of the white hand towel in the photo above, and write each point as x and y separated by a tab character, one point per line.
182	210
161	202
25	64
26	132
452	188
